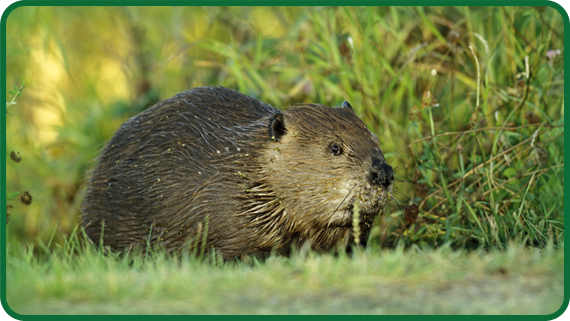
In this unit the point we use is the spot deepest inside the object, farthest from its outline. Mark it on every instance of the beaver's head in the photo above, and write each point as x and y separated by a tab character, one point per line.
320	161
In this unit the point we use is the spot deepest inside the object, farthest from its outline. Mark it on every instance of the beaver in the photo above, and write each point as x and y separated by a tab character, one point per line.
211	168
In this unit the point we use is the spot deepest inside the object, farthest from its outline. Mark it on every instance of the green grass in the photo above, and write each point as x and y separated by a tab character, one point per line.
442	281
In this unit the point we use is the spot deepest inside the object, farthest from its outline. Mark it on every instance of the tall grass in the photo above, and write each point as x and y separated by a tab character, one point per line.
467	102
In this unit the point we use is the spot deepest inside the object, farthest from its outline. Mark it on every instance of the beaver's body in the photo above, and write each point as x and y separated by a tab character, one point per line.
213	164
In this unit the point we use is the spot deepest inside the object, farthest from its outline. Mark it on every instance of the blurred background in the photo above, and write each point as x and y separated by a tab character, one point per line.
409	72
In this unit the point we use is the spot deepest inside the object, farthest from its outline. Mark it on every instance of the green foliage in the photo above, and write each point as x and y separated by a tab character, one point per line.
445	88
12	195
17	92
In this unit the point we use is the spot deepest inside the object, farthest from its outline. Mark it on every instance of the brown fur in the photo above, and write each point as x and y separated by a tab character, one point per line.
213	162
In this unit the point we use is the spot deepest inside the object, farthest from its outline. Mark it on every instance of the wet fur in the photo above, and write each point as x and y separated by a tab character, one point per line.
214	162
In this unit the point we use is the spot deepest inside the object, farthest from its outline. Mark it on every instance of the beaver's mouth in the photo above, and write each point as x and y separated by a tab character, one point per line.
371	202
373	199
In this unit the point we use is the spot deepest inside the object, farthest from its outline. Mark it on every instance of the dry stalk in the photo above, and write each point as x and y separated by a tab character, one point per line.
440	190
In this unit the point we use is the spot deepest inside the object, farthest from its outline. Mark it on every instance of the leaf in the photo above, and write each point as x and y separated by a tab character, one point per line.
509	172
12	195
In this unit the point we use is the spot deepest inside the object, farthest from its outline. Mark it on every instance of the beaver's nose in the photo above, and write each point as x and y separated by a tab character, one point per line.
381	173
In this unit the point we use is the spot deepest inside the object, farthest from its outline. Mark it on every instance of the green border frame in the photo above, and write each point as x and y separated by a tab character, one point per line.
557	315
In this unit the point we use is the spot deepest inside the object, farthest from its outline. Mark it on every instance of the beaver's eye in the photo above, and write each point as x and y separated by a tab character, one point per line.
336	150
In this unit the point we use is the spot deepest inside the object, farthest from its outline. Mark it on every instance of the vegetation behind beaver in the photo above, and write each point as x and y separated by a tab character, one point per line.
213	164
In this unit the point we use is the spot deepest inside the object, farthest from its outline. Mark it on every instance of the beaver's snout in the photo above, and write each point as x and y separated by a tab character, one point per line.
381	173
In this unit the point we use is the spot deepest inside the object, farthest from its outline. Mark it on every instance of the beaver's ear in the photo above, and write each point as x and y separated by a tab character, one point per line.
277	127
346	105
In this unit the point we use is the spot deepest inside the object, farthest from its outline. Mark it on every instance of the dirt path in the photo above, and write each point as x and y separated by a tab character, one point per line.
496	294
